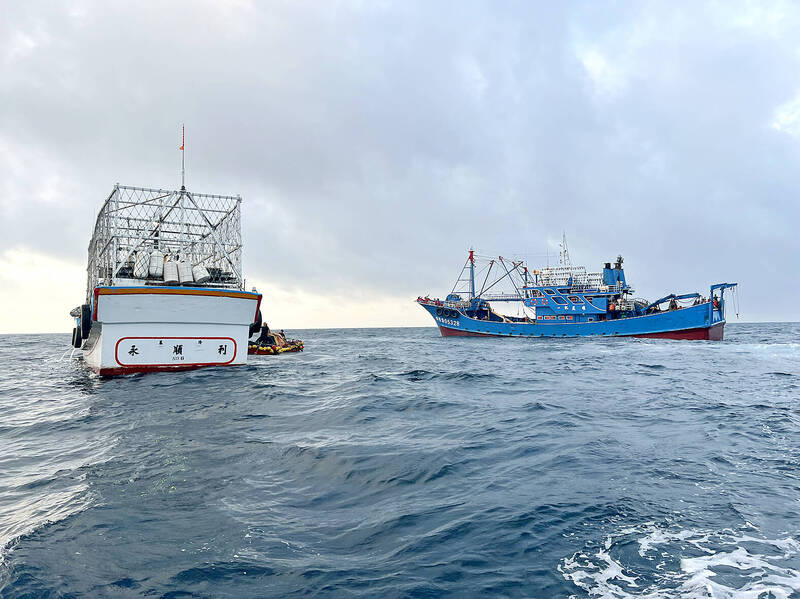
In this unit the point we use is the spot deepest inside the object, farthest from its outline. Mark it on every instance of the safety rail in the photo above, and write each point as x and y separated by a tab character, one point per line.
199	229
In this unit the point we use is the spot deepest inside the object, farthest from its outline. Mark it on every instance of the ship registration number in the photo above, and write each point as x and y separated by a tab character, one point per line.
448	321
163	351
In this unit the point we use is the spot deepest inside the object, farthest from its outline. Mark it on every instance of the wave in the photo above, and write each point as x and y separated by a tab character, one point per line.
425	375
27	516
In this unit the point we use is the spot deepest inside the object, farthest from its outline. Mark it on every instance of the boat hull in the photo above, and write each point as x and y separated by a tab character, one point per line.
700	322
141	329
713	333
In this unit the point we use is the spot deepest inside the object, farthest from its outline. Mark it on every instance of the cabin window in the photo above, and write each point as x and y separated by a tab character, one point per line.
564	291
549	292
559	300
536	293
591	302
574	299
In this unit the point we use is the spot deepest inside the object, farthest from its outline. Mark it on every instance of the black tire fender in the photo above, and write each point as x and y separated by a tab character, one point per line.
256	326
86	321
76	337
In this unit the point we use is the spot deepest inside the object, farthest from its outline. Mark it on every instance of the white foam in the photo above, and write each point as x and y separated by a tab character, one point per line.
752	566
660	537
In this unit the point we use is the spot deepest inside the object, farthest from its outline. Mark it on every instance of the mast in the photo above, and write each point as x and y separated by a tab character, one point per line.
183	183
471	274
183	154
564	253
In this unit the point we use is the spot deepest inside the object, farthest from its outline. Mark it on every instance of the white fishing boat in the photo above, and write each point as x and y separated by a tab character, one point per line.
165	289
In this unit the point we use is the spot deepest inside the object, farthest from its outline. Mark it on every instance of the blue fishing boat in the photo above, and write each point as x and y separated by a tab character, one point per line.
568	301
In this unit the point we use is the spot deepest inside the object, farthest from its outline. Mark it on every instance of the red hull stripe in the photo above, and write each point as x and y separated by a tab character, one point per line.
713	333
447	332
142	369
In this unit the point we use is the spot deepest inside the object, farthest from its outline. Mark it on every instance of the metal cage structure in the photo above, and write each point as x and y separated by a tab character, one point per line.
195	228
576	276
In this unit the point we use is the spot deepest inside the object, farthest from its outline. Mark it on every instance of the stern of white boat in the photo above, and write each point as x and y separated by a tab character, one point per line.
145	329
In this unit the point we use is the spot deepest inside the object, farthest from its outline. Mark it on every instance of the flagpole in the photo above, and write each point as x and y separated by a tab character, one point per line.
183	154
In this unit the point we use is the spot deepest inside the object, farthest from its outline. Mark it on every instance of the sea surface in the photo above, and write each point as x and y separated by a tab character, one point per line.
396	463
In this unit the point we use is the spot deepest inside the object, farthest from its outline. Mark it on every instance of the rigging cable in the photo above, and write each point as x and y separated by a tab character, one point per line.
488	272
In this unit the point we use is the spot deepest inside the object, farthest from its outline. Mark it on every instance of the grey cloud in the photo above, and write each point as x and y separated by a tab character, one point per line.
375	142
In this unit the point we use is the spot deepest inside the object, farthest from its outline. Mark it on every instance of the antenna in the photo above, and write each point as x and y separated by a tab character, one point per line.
183	154
564	254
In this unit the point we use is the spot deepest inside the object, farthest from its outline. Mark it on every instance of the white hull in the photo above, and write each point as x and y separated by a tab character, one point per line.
145	329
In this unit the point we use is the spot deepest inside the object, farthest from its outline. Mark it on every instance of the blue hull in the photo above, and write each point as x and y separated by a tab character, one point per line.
694	322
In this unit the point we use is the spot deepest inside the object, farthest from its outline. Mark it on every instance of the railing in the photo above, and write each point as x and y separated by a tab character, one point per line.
200	229
502	297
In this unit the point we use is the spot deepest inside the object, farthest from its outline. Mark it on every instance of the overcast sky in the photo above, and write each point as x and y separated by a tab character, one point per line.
375	142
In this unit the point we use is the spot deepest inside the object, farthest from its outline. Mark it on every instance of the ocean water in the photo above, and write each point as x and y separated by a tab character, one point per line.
395	463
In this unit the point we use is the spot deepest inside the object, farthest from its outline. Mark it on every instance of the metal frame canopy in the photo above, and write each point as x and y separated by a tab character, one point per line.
482	274
198	228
